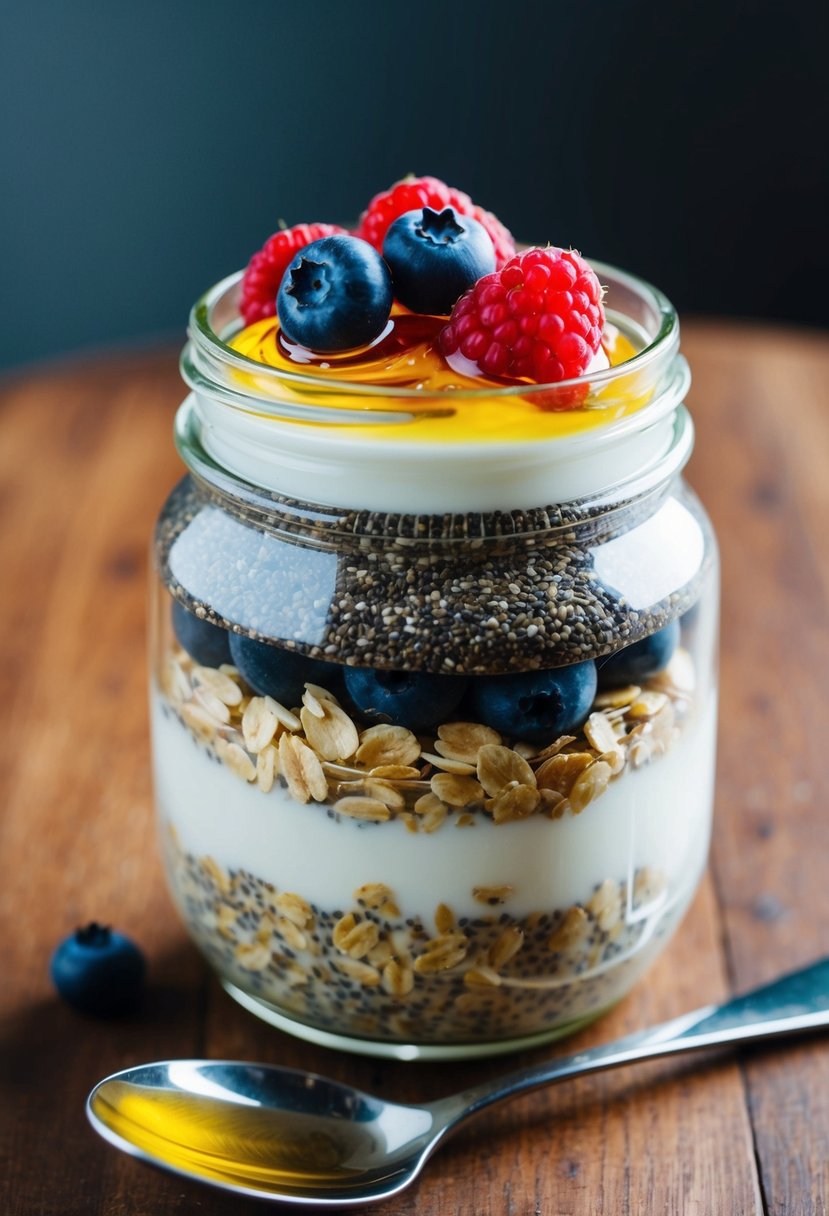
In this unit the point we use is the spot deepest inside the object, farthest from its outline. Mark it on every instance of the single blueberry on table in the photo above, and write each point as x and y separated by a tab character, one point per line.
282	674
416	699
434	256
640	661
98	971
335	295
208	644
536	705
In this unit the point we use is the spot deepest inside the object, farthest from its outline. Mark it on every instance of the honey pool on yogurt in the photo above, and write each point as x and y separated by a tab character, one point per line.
445	400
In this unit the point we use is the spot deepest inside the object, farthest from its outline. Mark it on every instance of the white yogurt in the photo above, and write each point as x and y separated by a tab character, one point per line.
656	816
347	471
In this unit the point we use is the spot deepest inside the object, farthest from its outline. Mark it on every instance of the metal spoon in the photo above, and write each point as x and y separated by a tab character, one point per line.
276	1133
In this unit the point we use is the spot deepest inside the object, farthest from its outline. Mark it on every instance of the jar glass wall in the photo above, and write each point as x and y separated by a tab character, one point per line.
433	782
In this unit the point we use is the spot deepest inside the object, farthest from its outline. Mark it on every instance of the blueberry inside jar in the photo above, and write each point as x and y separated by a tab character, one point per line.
434	687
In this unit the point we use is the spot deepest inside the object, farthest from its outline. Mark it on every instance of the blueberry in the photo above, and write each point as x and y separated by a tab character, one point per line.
641	660
416	699
278	673
207	644
98	971
434	256
335	295
536	705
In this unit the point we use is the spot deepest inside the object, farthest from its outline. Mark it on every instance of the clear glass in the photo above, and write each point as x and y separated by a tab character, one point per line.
432	782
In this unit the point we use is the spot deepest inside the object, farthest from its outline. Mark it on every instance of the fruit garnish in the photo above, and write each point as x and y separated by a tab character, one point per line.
535	705
267	266
416	699
411	194
434	256
99	971
538	318
336	294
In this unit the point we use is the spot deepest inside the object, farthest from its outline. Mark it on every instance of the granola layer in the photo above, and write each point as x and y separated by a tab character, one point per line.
319	753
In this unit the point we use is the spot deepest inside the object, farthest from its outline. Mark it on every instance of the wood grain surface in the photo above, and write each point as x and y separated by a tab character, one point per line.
86	459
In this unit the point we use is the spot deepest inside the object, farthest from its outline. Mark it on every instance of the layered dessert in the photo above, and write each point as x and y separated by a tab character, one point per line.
433	762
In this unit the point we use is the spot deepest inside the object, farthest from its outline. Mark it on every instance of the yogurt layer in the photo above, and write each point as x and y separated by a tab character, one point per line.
655	816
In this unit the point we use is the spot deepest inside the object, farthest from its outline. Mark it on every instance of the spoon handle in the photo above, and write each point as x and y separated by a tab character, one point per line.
796	1002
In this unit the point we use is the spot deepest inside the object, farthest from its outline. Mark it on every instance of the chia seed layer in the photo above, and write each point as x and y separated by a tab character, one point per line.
470	594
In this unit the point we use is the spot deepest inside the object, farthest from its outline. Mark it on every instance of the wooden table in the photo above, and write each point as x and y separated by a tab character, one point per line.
86	460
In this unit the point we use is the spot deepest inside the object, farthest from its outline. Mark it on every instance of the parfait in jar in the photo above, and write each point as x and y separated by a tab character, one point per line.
433	689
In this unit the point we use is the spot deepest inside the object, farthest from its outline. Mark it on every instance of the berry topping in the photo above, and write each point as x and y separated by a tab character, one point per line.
536	705
278	673
336	294
415	192
641	660
501	237
98	971
434	256
206	643
267	266
539	318
417	700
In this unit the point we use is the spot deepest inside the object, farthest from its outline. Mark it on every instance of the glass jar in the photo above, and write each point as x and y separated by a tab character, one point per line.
433	720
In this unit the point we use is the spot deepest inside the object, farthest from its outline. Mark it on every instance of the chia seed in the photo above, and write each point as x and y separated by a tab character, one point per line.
538	989
463	594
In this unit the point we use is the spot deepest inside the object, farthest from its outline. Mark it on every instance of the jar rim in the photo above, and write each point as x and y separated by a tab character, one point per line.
210	341
311	437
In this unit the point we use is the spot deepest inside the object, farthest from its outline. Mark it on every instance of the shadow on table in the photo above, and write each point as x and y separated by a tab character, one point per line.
46	1040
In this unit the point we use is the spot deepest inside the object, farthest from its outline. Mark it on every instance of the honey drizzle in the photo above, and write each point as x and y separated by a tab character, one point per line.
406	356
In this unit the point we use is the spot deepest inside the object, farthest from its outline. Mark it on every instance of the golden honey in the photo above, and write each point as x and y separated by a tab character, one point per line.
445	403
247	1146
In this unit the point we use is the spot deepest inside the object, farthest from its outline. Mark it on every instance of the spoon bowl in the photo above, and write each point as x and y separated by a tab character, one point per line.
295	1137
264	1131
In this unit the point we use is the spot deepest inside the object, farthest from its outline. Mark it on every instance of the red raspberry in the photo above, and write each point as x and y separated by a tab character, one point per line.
267	266
539	318
414	192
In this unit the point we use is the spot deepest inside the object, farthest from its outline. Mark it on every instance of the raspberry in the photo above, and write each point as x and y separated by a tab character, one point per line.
415	192
267	266
538	318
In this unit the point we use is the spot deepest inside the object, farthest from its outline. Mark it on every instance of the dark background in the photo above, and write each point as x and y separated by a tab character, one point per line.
148	148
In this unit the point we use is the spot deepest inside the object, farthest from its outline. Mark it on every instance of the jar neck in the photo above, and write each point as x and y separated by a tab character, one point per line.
362	531
246	429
